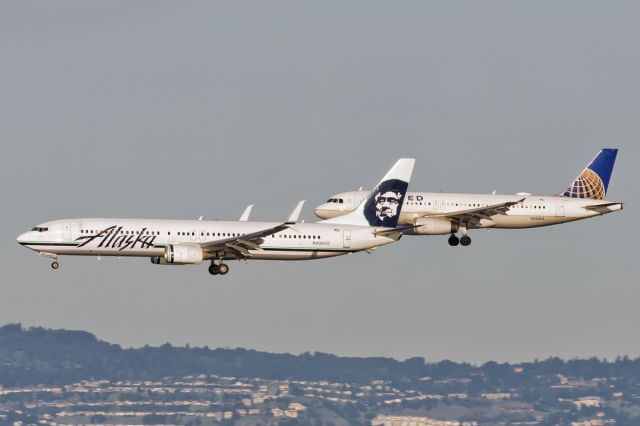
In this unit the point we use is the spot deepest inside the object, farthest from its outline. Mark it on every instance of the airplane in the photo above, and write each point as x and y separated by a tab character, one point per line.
435	213
188	242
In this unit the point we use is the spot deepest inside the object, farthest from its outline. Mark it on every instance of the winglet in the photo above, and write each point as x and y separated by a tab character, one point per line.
295	214
245	214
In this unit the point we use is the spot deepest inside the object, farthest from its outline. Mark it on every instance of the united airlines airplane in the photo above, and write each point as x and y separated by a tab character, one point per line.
187	242
435	213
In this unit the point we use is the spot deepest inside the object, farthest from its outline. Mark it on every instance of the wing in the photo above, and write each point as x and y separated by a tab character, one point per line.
475	215
241	244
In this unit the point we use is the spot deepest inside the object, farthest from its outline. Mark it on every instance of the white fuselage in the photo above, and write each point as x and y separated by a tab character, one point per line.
150	237
533	211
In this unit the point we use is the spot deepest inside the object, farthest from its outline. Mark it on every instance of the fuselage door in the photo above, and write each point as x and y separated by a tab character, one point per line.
560	209
346	238
66	231
194	235
202	234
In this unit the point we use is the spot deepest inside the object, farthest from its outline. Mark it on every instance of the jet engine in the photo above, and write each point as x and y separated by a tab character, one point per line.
434	226
181	254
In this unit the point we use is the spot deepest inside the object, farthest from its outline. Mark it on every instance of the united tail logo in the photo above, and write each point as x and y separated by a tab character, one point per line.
593	182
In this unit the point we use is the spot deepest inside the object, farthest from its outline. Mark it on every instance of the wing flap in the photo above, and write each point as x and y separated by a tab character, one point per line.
240	249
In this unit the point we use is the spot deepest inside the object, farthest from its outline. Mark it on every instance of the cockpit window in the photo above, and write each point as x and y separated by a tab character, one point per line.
40	229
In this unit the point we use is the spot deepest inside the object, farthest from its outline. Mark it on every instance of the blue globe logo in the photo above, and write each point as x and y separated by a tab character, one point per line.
587	185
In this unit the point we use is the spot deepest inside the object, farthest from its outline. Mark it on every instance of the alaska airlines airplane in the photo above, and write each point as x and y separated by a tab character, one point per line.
186	242
435	213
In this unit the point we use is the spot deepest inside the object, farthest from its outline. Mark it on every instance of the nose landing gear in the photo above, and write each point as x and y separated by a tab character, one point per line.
53	257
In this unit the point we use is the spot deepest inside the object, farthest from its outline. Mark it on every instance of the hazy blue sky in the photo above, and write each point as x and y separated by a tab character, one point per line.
181	109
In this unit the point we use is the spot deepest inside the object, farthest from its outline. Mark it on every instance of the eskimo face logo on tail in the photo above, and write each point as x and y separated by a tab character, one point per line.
587	185
383	206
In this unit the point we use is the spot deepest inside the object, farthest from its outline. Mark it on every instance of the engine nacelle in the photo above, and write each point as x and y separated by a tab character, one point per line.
180	254
434	226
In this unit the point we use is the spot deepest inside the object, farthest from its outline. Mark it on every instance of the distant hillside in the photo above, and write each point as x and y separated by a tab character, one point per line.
43	356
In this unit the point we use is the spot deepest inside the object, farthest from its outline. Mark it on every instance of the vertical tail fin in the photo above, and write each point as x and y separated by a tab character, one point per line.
594	180
382	207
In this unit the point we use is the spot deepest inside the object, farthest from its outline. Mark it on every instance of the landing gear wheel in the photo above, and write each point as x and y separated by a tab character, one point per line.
55	264
223	269
214	269
453	240
465	240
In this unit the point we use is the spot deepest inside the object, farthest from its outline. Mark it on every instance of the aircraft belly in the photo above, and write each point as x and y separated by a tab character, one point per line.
127	252
62	250
275	254
522	221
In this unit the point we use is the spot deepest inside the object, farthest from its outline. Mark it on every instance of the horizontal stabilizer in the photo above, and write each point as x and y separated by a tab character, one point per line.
606	206
399	230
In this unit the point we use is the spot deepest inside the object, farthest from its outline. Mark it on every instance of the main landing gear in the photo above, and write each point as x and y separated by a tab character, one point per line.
464	241
221	268
55	264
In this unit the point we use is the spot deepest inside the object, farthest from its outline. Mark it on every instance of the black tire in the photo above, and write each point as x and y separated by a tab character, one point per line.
454	241
465	240
214	270
223	269
55	264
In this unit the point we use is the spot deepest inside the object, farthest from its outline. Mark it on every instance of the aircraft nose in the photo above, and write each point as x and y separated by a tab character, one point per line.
21	238
321	211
